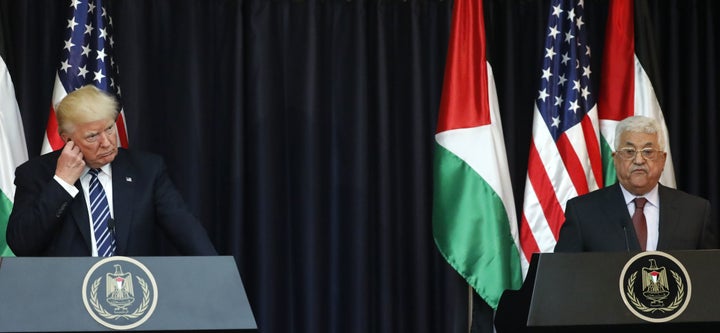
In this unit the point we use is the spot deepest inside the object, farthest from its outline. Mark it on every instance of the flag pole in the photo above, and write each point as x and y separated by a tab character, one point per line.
470	308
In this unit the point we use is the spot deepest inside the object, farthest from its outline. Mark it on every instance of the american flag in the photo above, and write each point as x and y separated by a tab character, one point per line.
87	58
564	159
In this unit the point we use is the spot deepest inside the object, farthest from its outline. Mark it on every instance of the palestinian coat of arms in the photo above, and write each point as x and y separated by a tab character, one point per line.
119	292
655	286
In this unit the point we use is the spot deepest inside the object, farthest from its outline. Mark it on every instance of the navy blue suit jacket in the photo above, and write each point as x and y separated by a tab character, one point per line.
599	221
47	221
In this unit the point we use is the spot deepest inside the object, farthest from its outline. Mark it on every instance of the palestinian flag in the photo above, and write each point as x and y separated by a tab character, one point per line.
626	89
474	221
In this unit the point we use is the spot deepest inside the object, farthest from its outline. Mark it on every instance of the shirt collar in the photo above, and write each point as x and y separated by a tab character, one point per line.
106	169
652	197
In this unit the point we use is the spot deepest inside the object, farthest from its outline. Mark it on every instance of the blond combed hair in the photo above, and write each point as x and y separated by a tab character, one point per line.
84	105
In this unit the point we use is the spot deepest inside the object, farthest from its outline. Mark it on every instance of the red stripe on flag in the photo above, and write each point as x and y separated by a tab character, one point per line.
122	132
572	164
593	148
617	87
53	136
544	191
464	101
527	239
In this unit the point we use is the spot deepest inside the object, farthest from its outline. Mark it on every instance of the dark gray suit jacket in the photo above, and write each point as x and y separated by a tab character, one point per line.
599	222
47	221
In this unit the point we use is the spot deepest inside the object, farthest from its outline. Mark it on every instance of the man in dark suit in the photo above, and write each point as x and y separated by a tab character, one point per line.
131	196
606	219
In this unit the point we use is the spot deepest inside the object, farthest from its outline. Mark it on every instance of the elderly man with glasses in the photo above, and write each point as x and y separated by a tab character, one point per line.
637	213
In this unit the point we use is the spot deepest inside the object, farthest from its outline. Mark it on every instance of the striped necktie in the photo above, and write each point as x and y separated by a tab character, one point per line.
100	211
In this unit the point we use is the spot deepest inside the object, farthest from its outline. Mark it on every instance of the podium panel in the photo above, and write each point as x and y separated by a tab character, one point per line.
84	294
602	291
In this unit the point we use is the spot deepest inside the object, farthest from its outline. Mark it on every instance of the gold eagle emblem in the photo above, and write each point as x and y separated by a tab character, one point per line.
119	290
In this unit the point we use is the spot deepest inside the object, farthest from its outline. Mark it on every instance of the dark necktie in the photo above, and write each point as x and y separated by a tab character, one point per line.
639	222
100	211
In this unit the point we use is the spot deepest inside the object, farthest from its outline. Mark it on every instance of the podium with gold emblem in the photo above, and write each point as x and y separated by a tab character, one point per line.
654	291
122	293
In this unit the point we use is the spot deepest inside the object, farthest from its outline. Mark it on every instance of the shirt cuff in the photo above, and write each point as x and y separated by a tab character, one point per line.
71	189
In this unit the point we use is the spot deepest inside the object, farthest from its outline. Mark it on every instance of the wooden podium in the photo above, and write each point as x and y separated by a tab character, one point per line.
85	294
603	292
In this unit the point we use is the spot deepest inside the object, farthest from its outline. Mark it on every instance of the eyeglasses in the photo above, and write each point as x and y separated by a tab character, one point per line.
92	138
630	153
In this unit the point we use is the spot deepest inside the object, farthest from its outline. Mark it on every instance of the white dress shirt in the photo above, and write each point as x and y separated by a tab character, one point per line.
652	214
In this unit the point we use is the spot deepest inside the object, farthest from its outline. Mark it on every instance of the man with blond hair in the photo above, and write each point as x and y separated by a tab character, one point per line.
92	198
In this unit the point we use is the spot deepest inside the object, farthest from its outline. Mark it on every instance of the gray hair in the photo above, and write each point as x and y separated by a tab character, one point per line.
640	124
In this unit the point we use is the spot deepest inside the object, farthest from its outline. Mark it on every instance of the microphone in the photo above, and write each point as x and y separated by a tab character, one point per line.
625	231
111	226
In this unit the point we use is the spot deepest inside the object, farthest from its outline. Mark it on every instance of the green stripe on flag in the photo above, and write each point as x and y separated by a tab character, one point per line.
13	150
609	174
5	209
472	230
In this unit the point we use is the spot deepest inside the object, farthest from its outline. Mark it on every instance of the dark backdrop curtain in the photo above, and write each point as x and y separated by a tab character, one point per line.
301	133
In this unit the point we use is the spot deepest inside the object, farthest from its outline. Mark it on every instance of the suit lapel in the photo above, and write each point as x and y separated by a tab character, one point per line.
123	189
669	213
617	199
623	215
79	212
